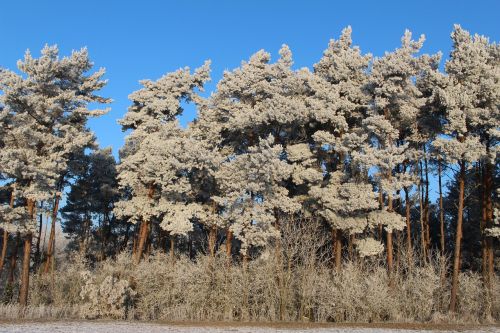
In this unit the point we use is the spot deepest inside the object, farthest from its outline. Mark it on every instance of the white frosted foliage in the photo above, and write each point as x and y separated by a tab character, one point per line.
368	247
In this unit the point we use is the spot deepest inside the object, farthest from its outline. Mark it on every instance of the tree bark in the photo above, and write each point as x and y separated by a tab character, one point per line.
337	248
458	239
6	234
52	237
389	238
488	221
25	274
39	238
389	254
144	231
426	205
409	248
143	234
212	238
229	244
172	248
422	218
13	259
441	210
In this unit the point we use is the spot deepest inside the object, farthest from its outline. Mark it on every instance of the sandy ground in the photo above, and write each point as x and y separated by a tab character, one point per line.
130	327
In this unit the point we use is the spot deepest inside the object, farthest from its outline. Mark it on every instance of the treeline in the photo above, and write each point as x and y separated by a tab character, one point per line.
391	157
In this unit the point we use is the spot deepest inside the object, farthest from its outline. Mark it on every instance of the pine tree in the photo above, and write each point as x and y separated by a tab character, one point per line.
48	110
152	120
471	100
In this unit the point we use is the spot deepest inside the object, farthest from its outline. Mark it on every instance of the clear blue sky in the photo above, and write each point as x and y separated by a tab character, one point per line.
135	40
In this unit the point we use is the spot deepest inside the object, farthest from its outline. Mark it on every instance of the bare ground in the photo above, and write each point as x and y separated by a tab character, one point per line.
220	327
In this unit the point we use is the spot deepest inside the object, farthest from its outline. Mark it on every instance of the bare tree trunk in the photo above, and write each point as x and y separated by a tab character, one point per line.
135	238
172	247
409	248
13	259
229	244
25	273
488	221
337	248
350	246
423	243
5	233
212	239
441	210
389	253
39	238
458	239
426	204
389	239
52	237
143	234
144	231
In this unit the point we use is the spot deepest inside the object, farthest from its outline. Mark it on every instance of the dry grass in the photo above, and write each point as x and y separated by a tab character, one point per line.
291	282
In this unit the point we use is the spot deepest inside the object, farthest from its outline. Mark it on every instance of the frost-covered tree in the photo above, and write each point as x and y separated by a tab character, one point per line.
471	98
394	126
345	69
253	191
47	108
149	168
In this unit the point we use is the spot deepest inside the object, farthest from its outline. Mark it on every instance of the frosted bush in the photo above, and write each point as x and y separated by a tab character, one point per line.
111	298
368	247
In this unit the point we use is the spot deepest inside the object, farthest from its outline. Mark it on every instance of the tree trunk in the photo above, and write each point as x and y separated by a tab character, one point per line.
5	241
423	243
13	259
39	238
212	239
229	244
144	231
25	274
389	238
172	248
409	248
458	239
488	221
6	234
426	205
143	234
389	253
52	237
337	248
441	210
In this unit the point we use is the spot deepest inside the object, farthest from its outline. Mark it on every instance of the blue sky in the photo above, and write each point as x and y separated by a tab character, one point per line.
136	40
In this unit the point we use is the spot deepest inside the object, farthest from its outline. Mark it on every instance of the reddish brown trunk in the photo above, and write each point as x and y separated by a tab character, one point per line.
458	239
426	205
144	231
408	223
6	234
212	238
229	245
441	210
5	240
25	273
52	238
337	249
389	253
39	238
488	222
